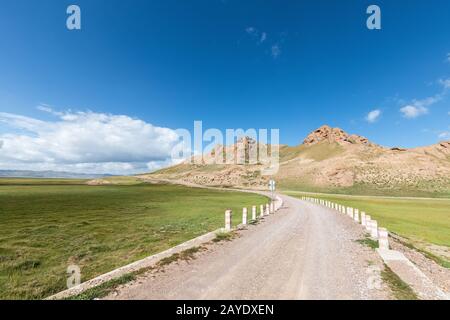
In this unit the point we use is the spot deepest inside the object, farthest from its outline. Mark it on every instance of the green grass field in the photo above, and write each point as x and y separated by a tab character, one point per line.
422	221
46	225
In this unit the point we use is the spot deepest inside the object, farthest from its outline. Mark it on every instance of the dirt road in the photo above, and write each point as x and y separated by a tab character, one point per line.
304	251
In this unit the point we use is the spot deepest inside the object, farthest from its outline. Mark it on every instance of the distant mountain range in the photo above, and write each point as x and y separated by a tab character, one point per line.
48	174
331	160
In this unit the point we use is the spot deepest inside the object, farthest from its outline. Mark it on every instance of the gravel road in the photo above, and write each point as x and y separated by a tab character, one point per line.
304	251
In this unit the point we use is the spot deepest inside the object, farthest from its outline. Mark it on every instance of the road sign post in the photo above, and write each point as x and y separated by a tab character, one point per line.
272	185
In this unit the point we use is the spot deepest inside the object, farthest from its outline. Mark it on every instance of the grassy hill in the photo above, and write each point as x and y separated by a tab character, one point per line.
333	161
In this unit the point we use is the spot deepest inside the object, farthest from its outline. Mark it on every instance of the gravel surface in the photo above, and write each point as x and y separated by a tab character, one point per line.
439	275
304	251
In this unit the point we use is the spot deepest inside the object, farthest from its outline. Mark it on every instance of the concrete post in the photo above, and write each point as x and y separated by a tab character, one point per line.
267	209
368	222
356	212
261	213
383	239
374	229
244	216
272	207
363	218
351	213
356	217
254	213
228	217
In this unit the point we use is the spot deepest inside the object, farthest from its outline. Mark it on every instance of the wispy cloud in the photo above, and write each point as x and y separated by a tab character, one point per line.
373	116
275	51
262	37
444	135
445	83
419	107
411	111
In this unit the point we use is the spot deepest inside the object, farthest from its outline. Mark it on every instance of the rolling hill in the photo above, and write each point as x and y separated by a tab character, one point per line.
330	160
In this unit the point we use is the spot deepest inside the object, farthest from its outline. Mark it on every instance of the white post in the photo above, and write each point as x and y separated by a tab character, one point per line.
356	217
254	213
363	218
374	229
383	239
368	222
261	213
228	217
272	207
244	216
267	209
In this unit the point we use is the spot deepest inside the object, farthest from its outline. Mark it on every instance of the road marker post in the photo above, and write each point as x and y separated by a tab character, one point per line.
356	217
383	239
368	222
228	217
261	213
272	207
254	213
244	216
363	218
267	209
374	229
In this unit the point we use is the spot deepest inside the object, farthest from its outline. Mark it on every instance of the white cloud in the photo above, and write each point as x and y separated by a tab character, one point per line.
448	57
444	135
445	83
259	36
263	37
373	116
420	107
412	112
275	51
251	31
85	142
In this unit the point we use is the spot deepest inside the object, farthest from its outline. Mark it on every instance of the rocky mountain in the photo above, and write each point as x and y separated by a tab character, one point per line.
326	133
328	160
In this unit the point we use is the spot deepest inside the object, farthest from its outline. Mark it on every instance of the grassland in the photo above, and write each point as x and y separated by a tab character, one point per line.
46	226
423	222
301	184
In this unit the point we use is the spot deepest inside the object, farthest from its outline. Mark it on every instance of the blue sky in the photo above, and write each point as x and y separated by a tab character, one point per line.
292	65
